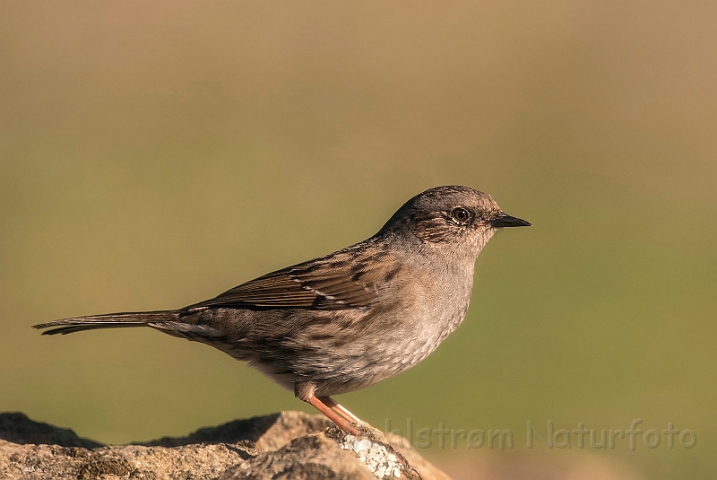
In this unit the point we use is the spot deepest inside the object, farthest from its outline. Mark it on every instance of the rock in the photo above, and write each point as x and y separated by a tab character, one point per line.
305	458
269	432
289	445
16	427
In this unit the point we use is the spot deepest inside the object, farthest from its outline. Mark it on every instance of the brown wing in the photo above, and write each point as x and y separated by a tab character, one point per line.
346	279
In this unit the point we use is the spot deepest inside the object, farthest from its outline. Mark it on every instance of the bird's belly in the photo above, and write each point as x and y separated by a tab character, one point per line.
395	351
348	353
419	341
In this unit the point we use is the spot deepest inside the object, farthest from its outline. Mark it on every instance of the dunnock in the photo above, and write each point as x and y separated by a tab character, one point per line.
350	319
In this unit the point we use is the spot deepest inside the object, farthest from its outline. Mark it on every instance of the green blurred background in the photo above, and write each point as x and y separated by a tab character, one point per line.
154	154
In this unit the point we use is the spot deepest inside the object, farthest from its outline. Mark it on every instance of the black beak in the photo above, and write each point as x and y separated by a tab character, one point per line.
503	220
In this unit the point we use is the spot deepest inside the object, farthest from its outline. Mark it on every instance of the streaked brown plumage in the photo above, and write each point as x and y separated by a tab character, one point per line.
345	321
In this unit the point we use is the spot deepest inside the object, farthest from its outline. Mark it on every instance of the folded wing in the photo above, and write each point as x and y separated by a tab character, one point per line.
346	279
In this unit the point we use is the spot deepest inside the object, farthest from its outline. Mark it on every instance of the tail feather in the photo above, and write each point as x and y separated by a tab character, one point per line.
110	320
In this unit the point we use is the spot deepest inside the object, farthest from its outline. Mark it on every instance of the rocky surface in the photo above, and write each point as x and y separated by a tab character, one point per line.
290	445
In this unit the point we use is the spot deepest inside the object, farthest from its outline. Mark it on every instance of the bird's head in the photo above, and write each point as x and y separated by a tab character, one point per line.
454	215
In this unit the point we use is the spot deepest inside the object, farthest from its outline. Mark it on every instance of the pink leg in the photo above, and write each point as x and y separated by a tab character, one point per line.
334	405
305	391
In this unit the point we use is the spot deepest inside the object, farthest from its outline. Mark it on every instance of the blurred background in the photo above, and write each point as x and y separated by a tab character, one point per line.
154	154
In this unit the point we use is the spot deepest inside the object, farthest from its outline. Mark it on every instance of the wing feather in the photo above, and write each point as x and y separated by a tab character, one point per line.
345	279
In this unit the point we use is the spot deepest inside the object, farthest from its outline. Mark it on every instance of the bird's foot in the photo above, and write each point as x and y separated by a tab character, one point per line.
372	433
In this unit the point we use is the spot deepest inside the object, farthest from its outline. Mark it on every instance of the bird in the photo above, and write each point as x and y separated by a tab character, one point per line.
352	318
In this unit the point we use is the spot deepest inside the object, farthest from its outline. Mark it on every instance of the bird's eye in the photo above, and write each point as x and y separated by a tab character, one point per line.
460	214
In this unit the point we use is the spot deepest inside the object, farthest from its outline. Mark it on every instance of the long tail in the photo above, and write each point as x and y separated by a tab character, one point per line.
110	320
